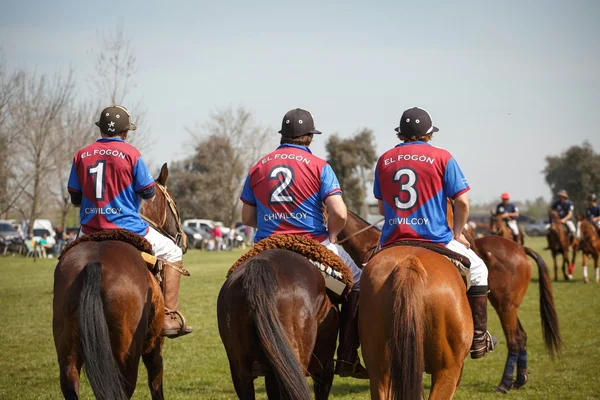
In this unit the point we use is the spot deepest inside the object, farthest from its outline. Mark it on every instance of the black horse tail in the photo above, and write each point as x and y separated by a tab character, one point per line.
550	328
260	288
94	340
408	329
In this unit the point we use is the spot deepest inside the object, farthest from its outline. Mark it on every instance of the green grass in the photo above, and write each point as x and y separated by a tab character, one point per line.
196	365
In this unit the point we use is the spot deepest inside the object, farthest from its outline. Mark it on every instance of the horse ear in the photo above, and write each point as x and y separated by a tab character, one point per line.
164	174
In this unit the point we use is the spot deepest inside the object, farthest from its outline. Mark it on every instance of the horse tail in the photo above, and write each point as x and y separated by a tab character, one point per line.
406	344
550	328
94	338
260	284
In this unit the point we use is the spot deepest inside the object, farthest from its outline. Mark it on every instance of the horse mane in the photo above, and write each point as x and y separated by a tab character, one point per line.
121	235
553	216
587	230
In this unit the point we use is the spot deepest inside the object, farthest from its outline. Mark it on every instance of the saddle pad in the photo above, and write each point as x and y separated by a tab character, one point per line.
306	247
121	235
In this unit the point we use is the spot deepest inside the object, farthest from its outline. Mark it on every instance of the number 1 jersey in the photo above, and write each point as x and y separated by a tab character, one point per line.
414	180
109	173
288	188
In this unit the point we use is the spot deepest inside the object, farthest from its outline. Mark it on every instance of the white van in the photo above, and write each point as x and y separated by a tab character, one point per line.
205	224
44	224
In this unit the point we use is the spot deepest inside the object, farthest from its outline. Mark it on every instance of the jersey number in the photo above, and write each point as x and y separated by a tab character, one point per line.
407	187
285	176
96	171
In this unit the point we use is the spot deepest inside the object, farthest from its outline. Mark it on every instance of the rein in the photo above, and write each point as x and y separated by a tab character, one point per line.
178	239
360	231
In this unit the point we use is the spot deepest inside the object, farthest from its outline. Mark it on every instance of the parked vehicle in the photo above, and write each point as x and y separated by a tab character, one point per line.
44	224
537	228
9	235
196	237
206	224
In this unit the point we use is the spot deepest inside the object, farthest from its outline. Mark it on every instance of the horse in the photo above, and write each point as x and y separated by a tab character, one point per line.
508	280
414	317
108	311
275	319
589	244
499	227
559	243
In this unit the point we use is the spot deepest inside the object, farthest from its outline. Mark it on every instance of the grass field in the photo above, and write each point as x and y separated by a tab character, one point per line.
196	365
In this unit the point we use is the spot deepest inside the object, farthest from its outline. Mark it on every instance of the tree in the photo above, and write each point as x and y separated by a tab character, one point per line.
576	171
210	182
353	160
36	115
536	209
114	80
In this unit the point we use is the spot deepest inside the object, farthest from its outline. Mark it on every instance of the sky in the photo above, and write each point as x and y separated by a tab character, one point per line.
507	83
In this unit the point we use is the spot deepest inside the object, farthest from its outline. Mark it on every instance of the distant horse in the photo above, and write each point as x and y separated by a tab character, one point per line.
414	317
500	228
589	244
559	243
108	311
275	319
508	280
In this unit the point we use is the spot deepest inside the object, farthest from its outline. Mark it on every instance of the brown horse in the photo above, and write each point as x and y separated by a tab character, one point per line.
559	243
108	311
589	244
275	319
414	317
508	280
499	227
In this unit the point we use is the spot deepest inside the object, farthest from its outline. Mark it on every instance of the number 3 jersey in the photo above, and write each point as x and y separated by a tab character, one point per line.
414	180
288	188
109	174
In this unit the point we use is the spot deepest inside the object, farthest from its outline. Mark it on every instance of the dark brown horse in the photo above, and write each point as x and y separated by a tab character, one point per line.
499	227
275	319
589	244
414	317
559	243
508	280
108	312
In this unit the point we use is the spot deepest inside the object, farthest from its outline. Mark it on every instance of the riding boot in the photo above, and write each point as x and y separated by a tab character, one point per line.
172	328
348	362
483	342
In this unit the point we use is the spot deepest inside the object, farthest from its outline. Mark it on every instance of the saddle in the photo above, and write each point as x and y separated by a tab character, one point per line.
154	264
461	262
338	277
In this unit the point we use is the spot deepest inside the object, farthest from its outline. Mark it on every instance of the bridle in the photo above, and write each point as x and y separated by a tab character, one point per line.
179	239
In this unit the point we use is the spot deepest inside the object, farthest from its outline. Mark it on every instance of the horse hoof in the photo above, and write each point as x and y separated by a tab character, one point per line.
502	389
521	381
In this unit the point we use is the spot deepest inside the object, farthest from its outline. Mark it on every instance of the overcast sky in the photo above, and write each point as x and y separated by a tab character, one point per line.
506	82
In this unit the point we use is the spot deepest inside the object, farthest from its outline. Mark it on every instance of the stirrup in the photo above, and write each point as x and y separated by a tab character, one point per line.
490	342
351	369
183	328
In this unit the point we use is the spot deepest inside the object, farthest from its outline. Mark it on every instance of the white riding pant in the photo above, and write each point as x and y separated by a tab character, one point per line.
514	227
479	271
163	247
340	252
571	226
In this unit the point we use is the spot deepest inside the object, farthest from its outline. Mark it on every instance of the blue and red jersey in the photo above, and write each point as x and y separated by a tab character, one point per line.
288	188
109	174
414	181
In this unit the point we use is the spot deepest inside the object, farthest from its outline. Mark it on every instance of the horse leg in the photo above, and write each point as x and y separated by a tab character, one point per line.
444	383
272	387
522	371
555	266
154	365
243	381
321	366
69	378
509	321
596	270
584	267
565	265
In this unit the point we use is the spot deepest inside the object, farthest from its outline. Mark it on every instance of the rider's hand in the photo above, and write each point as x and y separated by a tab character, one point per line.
462	239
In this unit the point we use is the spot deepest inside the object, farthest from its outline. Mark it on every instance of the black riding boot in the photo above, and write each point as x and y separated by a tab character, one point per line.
348	362
483	342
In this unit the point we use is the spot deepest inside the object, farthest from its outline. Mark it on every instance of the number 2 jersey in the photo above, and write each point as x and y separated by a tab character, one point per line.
414	181
109	173
288	188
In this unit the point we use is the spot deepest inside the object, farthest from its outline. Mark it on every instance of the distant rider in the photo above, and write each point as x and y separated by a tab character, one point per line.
509	213
564	207
593	210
